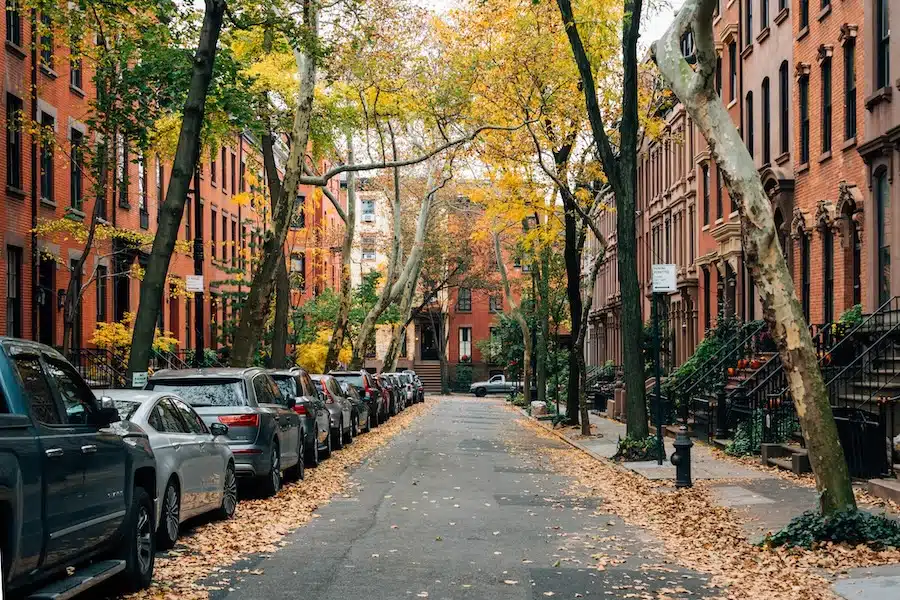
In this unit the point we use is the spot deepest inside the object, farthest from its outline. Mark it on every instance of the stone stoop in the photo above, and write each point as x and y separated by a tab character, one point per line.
787	457
887	489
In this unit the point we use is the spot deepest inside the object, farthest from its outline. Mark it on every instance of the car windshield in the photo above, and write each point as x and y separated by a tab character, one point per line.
126	408
205	392
286	384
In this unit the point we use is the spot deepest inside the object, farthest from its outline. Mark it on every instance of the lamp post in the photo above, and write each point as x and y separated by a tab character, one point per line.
198	270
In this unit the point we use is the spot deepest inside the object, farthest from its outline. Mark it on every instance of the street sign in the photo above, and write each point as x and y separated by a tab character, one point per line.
664	279
139	380
194	283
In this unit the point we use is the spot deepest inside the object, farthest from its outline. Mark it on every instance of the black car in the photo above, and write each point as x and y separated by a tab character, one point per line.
360	409
392	393
369	391
296	383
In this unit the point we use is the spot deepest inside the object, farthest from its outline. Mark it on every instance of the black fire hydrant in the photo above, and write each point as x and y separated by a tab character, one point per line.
681	458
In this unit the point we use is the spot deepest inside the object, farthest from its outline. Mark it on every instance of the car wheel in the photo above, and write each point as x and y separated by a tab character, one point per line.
271	483
297	472
338	436
169	517
139	545
328	445
354	429
313	454
350	430
229	495
480	392
373	420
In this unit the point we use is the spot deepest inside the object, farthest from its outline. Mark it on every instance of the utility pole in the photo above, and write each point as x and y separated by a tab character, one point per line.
198	270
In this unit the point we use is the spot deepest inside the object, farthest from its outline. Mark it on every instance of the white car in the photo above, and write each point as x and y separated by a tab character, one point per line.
194	464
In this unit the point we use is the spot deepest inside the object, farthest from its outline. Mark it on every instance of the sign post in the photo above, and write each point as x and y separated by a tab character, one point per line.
664	282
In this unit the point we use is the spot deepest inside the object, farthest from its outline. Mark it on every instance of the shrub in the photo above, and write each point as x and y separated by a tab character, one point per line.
630	449
463	377
849	526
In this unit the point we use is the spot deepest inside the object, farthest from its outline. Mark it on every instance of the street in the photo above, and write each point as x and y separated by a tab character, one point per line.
461	505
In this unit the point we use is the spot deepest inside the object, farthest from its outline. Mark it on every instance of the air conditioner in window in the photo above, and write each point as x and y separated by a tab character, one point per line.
369	218
368	256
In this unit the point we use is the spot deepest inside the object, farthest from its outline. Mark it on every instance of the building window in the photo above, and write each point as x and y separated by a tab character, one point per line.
883	234
298	217
465	343
784	113
804	14
763	14
826	3
464	300
804	119
122	177
102	275
46	41
234	243
14	291
495	304
766	122
719	75
749	135
212	168
826	105
732	74
13	23
706	194
748	23
76	68
827	275
718	193
13	142
804	273
367	245
212	232
707	317
224	234
782	4
368	211
243	178
142	192
76	160
882	45
690	229
224	170
47	187
856	248
849	90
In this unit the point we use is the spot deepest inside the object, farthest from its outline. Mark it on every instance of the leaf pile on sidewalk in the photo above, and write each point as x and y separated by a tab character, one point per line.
206	551
700	534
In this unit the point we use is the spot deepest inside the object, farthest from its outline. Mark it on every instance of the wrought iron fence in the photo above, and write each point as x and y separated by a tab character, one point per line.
99	367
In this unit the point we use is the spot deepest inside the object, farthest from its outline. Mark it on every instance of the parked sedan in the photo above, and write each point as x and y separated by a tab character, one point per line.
399	392
194	464
406	383
417	384
369	391
264	432
295	383
360	409
390	395
339	408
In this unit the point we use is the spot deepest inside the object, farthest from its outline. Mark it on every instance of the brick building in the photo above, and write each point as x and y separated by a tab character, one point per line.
45	183
789	81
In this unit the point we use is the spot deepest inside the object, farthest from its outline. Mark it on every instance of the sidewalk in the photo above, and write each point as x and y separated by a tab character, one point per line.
765	501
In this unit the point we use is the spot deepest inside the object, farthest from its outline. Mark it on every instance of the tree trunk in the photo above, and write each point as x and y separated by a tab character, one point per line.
340	326
695	87
187	154
543	337
520	319
399	329
255	308
280	325
621	172
572	257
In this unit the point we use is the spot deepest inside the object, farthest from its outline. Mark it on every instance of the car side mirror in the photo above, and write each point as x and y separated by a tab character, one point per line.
291	402
108	413
218	429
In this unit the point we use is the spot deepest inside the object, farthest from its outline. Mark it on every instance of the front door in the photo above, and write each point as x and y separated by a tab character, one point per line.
428	344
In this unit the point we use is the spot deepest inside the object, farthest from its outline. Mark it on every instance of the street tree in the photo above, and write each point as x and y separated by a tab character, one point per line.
692	78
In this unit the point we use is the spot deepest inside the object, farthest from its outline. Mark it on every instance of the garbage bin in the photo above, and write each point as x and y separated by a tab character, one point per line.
600	400
864	440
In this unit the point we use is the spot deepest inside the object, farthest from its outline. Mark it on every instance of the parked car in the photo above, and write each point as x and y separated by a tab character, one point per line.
406	383
339	408
417	384
495	385
77	485
390	394
360	409
264	432
369	391
295	383
399	392
194	464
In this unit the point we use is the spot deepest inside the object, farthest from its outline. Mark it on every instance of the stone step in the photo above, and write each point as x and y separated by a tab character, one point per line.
786	456
888	489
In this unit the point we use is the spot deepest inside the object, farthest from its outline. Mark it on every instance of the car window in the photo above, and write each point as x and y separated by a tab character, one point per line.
204	392
261	390
126	408
287	385
155	419
275	391
333	387
309	389
169	421
37	389
495	379
78	399
354	379
191	419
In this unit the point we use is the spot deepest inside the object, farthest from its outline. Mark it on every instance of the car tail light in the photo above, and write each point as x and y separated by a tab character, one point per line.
328	398
300	409
240	420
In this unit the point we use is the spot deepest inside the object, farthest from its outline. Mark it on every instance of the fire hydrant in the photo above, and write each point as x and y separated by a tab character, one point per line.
681	458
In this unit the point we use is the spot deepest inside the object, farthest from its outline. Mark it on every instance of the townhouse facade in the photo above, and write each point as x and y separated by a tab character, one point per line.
808	85
49	197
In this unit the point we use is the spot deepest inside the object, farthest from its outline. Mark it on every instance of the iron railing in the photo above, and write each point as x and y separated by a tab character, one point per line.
99	367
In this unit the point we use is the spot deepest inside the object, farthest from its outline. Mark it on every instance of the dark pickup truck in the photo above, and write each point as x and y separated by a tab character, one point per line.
77	486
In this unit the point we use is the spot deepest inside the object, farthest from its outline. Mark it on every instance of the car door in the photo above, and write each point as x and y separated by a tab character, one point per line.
322	419
184	448
209	468
346	406
495	383
286	421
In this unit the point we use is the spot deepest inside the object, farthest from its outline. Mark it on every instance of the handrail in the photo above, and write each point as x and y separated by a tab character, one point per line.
720	364
866	356
701	368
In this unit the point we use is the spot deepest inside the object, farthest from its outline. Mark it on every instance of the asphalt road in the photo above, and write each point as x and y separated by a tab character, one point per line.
462	506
